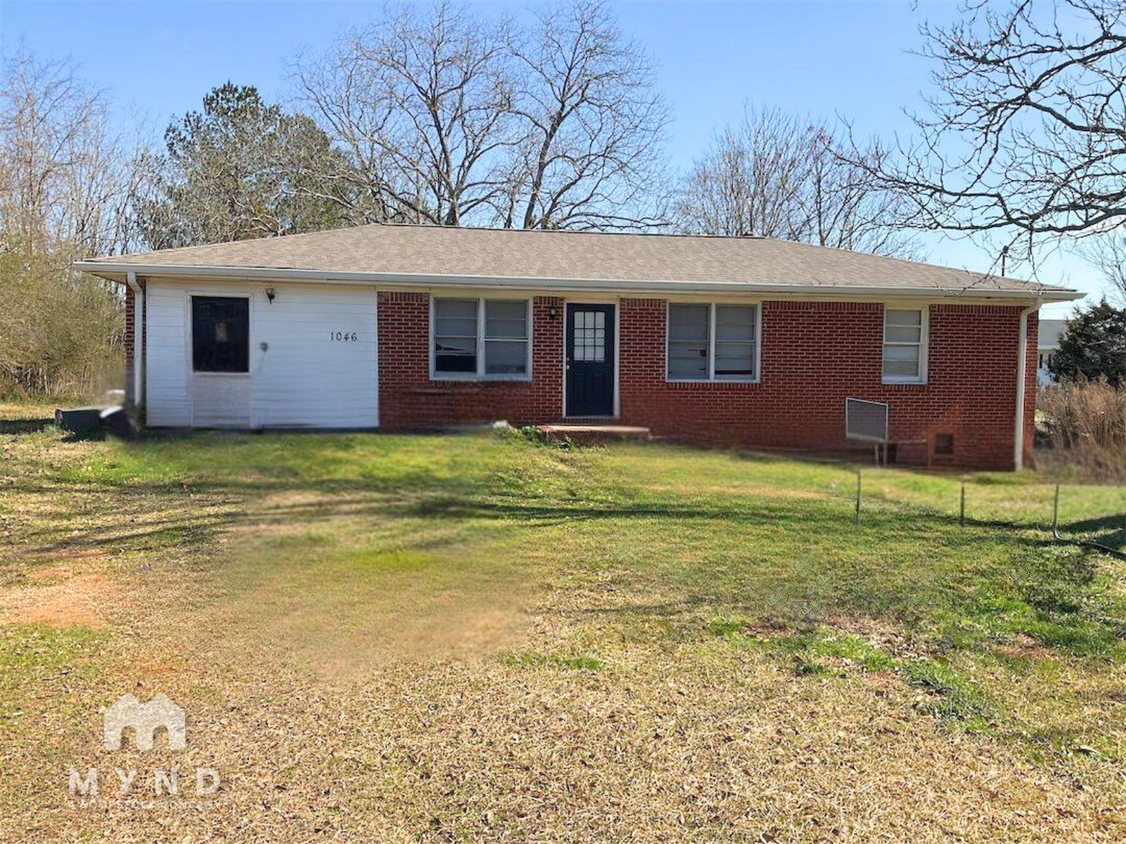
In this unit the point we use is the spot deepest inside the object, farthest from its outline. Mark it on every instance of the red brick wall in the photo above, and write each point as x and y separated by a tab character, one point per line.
130	334
814	355
409	399
130	340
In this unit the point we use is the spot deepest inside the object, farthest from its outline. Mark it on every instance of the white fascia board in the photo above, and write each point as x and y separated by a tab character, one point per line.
117	271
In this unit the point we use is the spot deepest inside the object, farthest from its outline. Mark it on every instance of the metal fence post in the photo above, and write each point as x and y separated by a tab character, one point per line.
1056	513
858	496
962	514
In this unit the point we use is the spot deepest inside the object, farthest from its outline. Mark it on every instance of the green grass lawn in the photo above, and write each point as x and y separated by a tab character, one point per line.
385	637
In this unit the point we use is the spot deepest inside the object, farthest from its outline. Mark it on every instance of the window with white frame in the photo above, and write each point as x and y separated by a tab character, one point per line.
904	345
481	338
712	342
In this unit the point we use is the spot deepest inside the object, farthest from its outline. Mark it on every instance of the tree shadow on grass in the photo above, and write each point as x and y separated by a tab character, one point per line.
1105	530
415	497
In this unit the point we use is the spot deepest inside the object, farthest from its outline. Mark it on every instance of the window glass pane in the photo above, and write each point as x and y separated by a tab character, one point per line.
455	317
588	337
901	353
455	355
688	341
455	308
903	318
901	361
220	334
734	360
455	327
902	334
734	323
734	342
901	368
506	319
506	357
688	322
455	335
687	360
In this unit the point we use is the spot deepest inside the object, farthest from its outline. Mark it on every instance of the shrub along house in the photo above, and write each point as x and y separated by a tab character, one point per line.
731	340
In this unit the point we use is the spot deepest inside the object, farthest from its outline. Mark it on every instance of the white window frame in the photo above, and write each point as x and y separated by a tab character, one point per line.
189	335
711	379
923	344
480	374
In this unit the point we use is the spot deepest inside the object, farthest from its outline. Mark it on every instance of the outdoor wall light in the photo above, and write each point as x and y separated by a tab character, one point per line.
552	312
270	293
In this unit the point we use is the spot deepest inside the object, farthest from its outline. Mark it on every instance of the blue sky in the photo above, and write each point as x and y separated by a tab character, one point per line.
825	58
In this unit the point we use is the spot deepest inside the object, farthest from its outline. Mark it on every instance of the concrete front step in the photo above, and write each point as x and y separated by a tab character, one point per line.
594	433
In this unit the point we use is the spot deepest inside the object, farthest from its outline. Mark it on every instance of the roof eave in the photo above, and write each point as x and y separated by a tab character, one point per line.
118	271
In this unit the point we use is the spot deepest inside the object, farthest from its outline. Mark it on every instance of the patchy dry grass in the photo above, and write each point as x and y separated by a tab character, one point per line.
461	638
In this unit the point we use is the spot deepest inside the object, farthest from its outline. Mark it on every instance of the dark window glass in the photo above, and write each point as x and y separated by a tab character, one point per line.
455	335
220	334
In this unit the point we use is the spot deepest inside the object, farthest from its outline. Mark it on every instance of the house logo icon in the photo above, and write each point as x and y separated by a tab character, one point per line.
144	718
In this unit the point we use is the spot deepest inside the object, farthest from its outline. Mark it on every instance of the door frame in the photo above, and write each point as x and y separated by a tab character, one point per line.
594	300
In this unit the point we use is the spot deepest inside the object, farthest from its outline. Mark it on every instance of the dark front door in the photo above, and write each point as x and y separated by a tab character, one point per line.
590	360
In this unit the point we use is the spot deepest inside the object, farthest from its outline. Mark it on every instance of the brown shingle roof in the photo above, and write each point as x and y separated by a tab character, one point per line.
409	251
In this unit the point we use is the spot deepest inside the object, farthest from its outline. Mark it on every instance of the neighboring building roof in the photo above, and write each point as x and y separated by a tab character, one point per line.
1048	333
567	260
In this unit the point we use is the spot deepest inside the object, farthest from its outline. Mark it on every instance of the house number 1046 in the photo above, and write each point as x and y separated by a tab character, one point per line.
343	335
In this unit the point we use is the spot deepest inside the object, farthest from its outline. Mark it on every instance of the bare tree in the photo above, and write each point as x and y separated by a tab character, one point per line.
782	176
422	102
449	119
65	174
750	181
1025	140
591	125
848	209
1108	254
65	181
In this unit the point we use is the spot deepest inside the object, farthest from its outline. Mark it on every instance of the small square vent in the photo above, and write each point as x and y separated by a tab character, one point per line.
943	444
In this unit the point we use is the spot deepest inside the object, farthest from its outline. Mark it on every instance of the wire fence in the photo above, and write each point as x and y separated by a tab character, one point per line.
1109	529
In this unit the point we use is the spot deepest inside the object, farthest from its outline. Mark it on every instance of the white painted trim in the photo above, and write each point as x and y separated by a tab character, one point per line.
138	340
480	374
711	379
375	304
1022	363
115	270
617	356
924	346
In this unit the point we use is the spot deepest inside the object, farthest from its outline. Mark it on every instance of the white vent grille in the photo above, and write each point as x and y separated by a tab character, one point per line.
866	420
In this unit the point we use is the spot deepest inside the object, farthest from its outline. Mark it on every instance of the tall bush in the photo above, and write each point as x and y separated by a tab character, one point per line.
1085	422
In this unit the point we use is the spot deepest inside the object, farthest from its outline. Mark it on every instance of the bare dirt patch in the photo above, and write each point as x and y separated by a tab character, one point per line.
78	601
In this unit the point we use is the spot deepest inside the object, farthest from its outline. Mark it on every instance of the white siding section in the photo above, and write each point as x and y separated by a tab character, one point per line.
168	402
301	375
306	377
220	400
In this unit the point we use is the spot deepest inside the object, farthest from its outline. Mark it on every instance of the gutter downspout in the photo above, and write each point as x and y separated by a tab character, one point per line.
138	339
1022	367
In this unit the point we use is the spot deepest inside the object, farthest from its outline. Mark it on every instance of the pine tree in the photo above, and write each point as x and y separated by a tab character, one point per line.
1094	346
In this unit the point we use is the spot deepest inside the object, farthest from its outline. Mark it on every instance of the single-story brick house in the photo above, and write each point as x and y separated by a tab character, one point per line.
733	340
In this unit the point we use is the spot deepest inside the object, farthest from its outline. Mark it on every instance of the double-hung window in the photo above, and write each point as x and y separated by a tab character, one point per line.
905	346
481	338
712	343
